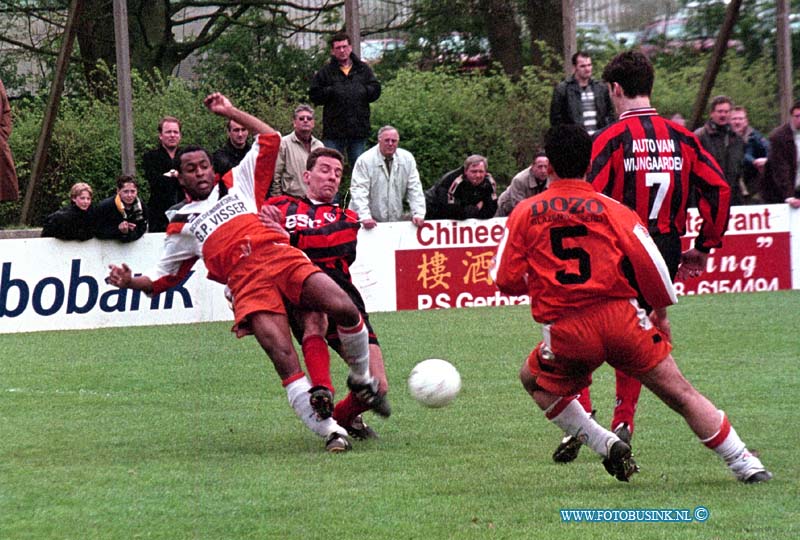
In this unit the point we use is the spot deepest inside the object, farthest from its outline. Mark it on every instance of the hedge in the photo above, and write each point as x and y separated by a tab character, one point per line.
441	116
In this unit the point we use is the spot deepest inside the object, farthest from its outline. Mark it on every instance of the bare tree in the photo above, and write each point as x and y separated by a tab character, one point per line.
162	32
545	24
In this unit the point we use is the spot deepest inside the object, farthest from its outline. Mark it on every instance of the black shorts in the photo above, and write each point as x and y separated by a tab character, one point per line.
670	247
332	337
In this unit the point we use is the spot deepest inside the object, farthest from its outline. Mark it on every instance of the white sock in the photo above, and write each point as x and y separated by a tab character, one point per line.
355	349
297	392
574	421
731	446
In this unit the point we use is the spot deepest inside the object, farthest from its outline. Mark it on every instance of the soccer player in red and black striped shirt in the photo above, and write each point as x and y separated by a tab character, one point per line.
327	233
652	165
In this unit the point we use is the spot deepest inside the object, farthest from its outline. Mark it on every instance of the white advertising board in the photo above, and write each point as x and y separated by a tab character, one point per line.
48	284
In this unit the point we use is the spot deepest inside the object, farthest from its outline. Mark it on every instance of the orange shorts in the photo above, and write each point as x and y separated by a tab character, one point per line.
617	332
270	273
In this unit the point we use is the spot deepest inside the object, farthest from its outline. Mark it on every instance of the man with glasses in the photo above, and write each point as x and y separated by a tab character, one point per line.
293	154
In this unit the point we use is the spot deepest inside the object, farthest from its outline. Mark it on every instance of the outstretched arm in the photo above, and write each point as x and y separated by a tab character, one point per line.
122	277
221	105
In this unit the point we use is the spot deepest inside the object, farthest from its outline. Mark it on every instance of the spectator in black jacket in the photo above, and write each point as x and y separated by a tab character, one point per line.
162	178
717	136
580	99
467	192
122	216
234	149
756	148
345	87
75	221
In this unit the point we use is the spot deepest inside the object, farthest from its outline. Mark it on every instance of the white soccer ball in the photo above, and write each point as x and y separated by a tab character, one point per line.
434	382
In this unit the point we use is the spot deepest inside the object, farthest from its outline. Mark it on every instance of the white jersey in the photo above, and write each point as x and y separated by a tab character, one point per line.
220	229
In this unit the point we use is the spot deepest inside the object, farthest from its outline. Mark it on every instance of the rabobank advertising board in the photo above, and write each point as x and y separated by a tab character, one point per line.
47	284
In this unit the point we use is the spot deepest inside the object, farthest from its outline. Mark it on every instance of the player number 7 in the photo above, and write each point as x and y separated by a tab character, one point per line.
663	180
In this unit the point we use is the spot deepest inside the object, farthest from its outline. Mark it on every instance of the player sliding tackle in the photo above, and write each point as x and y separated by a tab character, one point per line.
219	224
587	266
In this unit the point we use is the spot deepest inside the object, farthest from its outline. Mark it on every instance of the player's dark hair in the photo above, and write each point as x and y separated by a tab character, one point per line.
326	152
795	105
633	71
569	149
176	163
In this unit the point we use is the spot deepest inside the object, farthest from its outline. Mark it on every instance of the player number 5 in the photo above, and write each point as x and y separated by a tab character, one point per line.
557	236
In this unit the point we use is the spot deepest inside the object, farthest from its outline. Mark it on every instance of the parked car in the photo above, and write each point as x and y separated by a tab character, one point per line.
594	37
672	35
459	49
627	38
373	50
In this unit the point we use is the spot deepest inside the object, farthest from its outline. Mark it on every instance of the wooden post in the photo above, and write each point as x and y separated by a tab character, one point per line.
570	40
51	111
714	63
784	60
125	94
352	25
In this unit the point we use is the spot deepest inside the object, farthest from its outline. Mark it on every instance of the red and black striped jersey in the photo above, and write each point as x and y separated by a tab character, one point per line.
326	232
651	165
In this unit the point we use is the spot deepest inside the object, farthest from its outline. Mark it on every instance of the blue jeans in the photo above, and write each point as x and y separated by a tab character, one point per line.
350	148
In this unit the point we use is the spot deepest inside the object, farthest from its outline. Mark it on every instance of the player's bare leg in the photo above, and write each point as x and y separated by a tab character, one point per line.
273	334
320	293
707	422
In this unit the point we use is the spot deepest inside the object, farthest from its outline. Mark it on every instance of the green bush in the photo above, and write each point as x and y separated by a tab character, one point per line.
85	140
751	85
444	117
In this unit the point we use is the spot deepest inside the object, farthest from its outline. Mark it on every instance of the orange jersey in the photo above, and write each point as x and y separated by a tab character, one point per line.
570	247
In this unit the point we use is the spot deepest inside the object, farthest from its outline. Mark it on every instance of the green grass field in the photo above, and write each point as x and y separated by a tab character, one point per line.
185	432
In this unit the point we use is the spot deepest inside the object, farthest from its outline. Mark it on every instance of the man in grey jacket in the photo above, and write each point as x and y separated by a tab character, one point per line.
527	183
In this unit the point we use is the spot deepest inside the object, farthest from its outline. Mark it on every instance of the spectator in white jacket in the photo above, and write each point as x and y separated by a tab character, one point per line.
382	177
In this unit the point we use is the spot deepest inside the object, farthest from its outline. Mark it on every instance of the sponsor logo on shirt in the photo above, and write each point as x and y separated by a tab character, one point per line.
227	208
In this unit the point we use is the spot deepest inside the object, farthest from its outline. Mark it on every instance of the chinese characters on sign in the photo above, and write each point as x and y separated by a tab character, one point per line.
448	277
449	264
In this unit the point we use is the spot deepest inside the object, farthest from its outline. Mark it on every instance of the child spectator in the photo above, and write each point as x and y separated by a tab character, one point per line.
75	221
122	216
